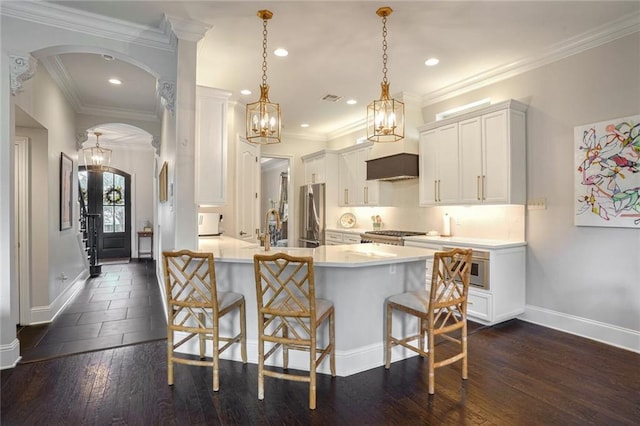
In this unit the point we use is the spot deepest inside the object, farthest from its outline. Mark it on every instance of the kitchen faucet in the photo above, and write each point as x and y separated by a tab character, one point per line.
267	234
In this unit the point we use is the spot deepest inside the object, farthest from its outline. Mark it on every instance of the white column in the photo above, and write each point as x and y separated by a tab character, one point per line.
9	344
186	227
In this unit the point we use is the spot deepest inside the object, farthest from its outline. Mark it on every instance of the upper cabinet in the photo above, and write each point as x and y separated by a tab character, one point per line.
479	158
211	146
318	166
439	166
354	188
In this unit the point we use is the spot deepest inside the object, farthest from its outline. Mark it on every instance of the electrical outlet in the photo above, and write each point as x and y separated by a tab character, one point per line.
392	269
537	204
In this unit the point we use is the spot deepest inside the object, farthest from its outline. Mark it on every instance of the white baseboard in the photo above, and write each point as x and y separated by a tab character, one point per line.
47	313
9	354
606	333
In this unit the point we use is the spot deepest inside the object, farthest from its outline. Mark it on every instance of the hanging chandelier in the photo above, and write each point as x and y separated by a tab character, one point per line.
97	156
385	117
263	117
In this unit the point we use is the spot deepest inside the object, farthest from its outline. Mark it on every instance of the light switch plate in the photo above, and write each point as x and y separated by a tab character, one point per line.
537	204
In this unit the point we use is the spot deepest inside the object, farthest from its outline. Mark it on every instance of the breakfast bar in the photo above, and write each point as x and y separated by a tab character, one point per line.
357	278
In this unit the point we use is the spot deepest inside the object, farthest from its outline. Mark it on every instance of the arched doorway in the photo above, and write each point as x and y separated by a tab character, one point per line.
107	192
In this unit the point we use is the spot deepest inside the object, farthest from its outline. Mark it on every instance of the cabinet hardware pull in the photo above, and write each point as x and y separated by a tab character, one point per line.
478	188
439	195
243	233
313	178
346	196
484	197
435	190
366	195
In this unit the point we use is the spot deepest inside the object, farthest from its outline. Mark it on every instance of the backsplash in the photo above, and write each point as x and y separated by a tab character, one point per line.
496	222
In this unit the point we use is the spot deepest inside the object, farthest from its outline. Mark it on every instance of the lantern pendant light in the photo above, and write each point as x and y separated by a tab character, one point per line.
263	117
97	157
385	117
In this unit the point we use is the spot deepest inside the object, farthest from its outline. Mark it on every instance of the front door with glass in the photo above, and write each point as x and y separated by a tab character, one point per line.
108	193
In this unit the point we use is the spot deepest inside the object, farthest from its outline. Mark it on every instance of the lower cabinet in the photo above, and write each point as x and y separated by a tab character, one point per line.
334	238
505	297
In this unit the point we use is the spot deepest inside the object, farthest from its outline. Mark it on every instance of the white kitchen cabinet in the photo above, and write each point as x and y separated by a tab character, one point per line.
505	298
491	156
335	237
355	189
439	166
211	146
318	165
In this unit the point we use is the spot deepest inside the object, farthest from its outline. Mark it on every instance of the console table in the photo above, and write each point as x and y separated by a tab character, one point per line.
148	253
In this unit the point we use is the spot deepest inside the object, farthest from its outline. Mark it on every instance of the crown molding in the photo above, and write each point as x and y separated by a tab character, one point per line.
596	37
186	29
348	129
53	15
124	113
63	80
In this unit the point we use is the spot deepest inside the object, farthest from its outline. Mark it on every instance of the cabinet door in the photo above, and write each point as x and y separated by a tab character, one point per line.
247	184
309	171
471	171
347	179
496	161
448	187
360	184
332	238
314	170
351	239
428	179
211	147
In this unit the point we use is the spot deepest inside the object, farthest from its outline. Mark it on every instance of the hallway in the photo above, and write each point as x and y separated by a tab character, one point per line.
122	306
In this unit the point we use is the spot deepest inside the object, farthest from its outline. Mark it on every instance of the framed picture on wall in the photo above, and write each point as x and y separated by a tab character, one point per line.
66	191
162	181
607	173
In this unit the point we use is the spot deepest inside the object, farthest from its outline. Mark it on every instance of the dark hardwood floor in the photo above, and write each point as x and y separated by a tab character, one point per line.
122	306
519	374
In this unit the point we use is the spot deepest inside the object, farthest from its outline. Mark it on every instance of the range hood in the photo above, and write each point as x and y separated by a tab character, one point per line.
393	167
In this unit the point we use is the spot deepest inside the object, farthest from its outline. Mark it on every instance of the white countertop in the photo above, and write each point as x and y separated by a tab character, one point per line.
467	242
227	249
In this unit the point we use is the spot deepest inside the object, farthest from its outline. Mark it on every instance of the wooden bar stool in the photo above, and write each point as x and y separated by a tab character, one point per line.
441	311
289	316
195	307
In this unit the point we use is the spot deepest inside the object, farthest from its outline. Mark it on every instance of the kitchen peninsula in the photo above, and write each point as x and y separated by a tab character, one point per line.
357	278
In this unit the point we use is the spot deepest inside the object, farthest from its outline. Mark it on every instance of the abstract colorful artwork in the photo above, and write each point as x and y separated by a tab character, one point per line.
607	173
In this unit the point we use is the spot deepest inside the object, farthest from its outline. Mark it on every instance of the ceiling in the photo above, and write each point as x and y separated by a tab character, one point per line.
335	48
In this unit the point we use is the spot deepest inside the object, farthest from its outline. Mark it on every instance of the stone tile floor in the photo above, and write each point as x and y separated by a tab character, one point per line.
120	307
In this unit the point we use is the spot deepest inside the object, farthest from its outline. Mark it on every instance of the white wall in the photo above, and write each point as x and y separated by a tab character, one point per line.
61	253
139	162
580	279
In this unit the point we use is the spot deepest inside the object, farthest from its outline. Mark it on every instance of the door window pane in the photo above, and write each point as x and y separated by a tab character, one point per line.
113	208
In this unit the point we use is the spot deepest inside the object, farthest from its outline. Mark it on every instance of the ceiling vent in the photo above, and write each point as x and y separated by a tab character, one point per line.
331	98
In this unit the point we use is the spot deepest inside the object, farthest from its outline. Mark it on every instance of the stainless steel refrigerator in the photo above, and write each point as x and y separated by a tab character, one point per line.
312	210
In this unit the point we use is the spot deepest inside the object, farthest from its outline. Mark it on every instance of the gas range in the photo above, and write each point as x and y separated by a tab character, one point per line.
391	237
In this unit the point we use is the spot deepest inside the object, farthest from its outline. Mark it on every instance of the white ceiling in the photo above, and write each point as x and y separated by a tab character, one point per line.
335	47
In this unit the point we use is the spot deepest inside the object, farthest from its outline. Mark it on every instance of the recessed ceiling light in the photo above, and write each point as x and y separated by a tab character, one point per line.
245	92
431	62
115	81
352	102
280	52
107	57
305	125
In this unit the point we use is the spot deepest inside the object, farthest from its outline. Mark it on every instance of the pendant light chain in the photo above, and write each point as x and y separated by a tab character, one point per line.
385	116
264	122
384	49
264	52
